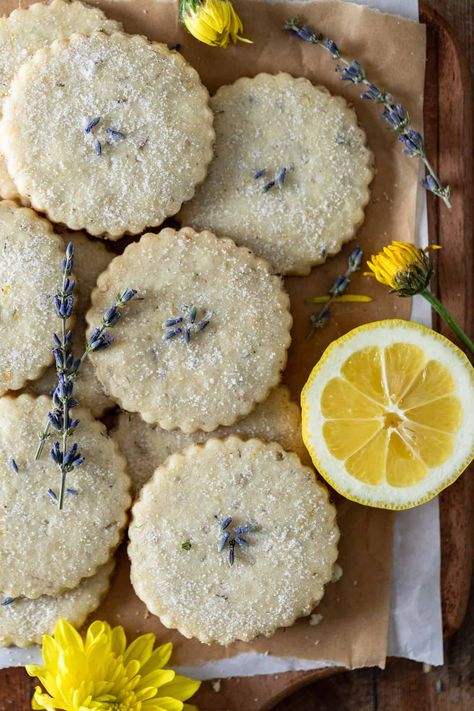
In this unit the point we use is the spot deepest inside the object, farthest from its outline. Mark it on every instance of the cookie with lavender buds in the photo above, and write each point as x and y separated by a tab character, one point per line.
44	550
25	31
232	539
146	447
91	258
23	622
31	255
206	338
128	134
291	173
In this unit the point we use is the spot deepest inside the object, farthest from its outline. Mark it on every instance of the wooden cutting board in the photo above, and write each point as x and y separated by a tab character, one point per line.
448	131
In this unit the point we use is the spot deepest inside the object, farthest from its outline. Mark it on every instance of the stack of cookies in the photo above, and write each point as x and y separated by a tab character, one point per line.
105	134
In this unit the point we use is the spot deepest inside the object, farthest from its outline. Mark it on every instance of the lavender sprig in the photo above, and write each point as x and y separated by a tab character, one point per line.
320	318
67	367
59	417
395	115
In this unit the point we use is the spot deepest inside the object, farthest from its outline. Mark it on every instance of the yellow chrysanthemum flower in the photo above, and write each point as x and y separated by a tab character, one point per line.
407	270
214	22
403	267
101	673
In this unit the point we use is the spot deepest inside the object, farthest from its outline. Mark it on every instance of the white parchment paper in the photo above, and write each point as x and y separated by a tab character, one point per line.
415	627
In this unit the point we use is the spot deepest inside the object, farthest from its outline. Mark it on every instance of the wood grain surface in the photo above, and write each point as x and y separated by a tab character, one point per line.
402	686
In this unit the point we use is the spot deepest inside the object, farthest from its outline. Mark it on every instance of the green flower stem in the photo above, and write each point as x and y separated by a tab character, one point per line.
439	308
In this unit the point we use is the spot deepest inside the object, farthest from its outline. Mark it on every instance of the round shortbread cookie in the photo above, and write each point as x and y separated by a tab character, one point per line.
91	258
145	446
25	31
45	551
182	577
30	275
23	622
108	133
271	124
225	368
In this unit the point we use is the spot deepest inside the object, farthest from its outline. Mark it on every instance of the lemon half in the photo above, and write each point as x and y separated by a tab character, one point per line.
388	414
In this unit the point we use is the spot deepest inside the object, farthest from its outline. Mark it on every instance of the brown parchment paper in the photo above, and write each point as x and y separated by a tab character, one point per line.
353	631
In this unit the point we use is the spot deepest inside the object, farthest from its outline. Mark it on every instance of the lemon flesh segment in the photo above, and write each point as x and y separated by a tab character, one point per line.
340	400
403	362
388	414
363	370
432	446
344	437
369	462
432	382
404	468
444	414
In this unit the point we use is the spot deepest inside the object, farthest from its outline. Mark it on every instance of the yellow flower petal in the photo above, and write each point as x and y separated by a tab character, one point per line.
68	637
158	659
344	299
182	687
96	629
214	22
169	704
159	678
140	649
118	641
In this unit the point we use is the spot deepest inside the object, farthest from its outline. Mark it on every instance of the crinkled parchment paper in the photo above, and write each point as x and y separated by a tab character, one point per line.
355	610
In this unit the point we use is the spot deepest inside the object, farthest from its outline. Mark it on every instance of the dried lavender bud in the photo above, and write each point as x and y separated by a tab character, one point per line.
127	295
98	148
113	133
353	72
413	142
339	286
203	324
303	32
355	259
13	465
332	48
260	173
52	494
268	186
7	601
373	93
173	321
226	523
92	124
396	117
173	333
222	541
280	179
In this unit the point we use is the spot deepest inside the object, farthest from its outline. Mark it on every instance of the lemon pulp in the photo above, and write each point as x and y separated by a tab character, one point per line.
391	414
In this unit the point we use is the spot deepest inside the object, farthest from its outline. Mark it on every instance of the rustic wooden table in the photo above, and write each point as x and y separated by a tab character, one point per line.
405	686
